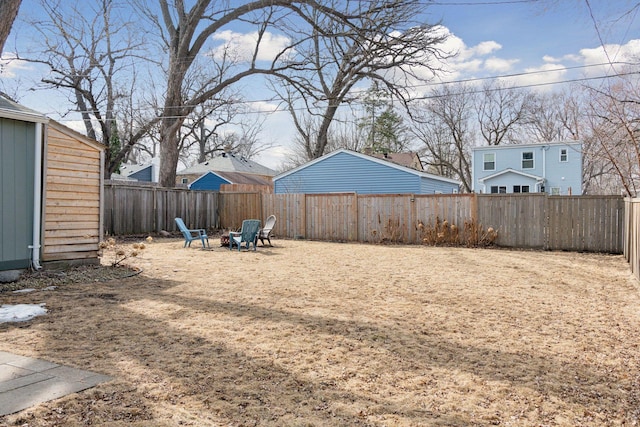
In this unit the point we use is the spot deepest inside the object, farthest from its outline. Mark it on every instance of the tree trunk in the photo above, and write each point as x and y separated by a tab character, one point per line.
8	13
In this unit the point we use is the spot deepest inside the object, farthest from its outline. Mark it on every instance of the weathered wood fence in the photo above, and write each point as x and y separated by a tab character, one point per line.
132	209
537	221
632	234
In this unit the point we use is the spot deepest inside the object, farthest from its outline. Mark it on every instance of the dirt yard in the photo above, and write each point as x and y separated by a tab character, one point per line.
328	334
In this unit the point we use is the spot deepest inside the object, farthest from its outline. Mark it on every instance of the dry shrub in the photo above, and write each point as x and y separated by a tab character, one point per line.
443	233
119	252
392	232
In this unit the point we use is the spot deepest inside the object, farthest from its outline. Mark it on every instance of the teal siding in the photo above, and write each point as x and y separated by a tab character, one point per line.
349	173
17	157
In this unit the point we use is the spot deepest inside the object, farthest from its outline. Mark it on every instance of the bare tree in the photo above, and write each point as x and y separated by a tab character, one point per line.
86	53
500	110
382	43
8	12
443	123
551	116
614	115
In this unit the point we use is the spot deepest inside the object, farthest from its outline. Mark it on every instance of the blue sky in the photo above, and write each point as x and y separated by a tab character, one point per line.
493	38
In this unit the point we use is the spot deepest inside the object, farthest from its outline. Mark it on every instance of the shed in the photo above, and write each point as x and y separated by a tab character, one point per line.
50	190
349	171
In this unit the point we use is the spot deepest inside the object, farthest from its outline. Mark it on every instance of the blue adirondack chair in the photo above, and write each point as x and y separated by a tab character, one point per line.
191	235
248	234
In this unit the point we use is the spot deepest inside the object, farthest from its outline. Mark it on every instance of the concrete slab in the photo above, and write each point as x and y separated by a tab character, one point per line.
25	382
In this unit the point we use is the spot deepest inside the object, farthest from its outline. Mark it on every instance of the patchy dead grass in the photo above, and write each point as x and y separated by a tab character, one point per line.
326	334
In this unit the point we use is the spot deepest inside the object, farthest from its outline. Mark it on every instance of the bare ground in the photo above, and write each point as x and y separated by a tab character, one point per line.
328	334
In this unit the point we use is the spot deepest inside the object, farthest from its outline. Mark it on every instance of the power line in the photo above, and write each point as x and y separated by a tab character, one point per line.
523	86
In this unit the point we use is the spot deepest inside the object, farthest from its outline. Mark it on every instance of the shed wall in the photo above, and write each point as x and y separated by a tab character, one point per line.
17	157
72	198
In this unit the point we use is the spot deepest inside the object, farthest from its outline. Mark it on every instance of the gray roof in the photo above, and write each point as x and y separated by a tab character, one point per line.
228	162
126	169
243	178
13	110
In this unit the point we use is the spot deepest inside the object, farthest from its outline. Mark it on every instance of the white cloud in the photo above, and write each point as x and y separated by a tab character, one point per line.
469	61
629	52
275	157
241	45
263	107
544	75
10	67
499	65
485	48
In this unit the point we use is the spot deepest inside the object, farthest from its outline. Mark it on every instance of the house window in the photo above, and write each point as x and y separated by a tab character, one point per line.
520	188
498	189
555	191
185	180
564	155
527	160
525	188
489	161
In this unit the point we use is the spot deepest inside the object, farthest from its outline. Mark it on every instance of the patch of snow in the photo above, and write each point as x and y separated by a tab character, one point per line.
21	312
24	291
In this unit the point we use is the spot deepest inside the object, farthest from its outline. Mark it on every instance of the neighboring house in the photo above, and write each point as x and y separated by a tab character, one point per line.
146	172
213	180
50	191
551	167
226	168
348	171
410	160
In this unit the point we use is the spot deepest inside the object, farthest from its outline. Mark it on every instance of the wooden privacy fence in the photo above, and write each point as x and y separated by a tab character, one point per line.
632	234
537	221
130	209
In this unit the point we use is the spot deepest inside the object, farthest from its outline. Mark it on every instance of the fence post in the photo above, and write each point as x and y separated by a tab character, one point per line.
546	218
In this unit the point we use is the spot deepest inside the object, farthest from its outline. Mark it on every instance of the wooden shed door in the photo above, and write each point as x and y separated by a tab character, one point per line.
17	157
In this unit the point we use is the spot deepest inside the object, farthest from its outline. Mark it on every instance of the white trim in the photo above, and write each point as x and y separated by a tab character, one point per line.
22	116
371	159
532	145
509	170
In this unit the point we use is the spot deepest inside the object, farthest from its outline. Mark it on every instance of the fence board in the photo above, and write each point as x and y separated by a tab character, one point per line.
632	235
289	210
236	207
456	209
586	223
331	217
141	209
519	219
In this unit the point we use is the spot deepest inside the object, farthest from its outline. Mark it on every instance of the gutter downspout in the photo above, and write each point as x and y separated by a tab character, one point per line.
544	166
37	200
